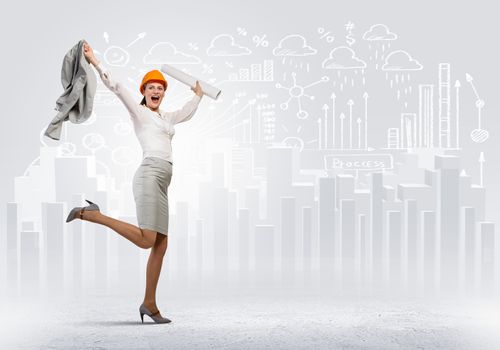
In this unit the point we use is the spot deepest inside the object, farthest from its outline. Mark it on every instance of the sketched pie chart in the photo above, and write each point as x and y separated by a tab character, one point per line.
93	142
122	129
116	56
122	155
67	149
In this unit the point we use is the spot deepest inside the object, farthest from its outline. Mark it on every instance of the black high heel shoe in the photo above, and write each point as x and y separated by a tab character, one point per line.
77	212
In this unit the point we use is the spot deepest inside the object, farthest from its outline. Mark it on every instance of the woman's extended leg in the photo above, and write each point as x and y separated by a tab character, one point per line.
153	271
140	237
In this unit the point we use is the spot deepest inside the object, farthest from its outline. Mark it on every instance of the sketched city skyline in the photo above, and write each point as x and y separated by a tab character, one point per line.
285	190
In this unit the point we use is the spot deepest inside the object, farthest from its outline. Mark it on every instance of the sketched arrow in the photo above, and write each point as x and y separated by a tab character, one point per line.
481	165
469	79
139	37
457	112
319	133
365	97
358	121
342	117
333	97
350	103
325	117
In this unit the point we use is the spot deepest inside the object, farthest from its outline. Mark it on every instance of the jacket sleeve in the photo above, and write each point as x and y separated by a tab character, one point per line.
119	90
186	112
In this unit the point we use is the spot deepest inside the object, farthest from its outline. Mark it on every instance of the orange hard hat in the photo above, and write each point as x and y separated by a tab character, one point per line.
153	76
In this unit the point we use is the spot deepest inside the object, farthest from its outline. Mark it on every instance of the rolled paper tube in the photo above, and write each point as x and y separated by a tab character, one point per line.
209	90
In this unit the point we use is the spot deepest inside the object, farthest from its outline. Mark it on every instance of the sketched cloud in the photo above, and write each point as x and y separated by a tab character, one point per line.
343	57
165	52
293	45
400	60
379	32
224	45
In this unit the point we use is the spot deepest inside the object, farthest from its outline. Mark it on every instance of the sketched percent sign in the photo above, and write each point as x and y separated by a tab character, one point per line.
260	41
325	34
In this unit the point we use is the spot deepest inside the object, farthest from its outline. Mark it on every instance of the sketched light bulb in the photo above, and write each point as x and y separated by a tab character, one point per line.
116	56
93	142
294	142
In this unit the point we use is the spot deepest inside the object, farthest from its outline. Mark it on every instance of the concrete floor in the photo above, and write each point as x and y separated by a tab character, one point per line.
250	322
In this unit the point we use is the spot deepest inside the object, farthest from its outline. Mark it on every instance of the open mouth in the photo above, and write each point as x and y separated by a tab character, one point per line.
155	98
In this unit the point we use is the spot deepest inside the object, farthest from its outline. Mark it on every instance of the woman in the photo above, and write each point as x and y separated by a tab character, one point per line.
154	129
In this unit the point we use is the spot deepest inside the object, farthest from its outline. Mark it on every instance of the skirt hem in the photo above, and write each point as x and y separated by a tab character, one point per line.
154	228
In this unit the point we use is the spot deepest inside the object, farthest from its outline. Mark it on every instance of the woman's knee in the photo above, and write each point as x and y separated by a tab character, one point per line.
148	238
160	244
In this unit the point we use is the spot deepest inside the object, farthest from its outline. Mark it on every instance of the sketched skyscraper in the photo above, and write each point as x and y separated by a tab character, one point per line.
448	218
53	236
327	197
377	226
408	133
279	179
244	225
30	260
426	115
101	245
444	105
393	138
181	239
76	234
348	241
264	254
13	226
486	237
288	229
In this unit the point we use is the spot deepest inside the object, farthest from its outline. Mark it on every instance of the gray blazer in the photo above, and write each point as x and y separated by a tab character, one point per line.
79	83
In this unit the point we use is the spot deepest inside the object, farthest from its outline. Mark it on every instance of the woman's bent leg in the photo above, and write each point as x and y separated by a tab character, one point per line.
140	237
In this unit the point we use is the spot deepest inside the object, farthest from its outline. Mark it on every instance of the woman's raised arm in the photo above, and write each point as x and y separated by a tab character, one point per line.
115	86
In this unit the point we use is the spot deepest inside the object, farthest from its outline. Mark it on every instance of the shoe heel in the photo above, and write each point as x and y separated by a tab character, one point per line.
91	206
72	214
142	317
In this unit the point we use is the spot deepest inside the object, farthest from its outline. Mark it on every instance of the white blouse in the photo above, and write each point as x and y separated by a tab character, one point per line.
153	129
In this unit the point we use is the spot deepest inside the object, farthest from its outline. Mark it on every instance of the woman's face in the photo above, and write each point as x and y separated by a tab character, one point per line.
154	92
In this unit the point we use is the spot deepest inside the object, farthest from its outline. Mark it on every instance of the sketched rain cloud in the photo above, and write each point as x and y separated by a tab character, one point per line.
224	45
379	32
343	57
165	52
293	45
400	60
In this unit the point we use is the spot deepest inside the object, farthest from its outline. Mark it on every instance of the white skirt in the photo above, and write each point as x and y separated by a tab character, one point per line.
150	188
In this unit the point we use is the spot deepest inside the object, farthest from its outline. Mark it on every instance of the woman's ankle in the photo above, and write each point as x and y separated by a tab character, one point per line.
90	215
